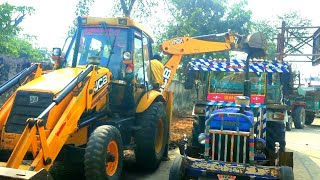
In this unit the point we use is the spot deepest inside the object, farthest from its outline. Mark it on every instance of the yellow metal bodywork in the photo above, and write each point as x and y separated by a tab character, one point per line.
53	82
46	141
147	99
7	106
169	108
118	22
176	48
188	46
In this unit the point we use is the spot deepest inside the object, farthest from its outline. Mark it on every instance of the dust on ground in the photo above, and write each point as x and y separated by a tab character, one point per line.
179	127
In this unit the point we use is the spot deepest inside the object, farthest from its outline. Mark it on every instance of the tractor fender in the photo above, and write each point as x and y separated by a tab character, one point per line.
296	104
147	99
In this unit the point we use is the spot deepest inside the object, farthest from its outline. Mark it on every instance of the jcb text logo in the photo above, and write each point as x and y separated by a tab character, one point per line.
177	41
166	76
100	83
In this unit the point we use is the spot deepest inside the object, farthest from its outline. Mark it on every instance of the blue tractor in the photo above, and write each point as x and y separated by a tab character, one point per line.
240	128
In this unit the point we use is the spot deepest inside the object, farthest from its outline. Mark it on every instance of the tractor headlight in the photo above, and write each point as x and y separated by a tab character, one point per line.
259	144
202	138
126	55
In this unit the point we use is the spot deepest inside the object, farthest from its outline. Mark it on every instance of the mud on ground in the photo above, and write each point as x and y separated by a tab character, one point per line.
179	127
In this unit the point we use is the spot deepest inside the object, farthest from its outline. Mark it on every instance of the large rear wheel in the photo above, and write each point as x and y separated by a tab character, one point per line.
104	154
310	118
299	117
151	139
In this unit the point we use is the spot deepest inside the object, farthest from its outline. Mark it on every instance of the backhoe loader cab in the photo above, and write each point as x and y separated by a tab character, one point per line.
98	100
120	45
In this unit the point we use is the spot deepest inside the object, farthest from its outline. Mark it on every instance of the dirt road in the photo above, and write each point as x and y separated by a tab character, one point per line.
304	143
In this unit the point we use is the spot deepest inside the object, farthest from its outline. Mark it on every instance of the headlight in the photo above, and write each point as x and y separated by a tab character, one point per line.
126	55
259	144
202	138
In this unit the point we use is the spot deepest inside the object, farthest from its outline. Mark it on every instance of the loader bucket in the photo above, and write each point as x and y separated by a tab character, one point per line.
19	174
254	45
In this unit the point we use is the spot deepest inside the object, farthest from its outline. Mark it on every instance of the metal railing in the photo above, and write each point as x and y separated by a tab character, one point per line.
229	145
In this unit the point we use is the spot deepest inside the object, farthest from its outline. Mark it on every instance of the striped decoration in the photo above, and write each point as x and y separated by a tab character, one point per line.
264	124
251	147
206	147
258	123
238	66
207	112
232	104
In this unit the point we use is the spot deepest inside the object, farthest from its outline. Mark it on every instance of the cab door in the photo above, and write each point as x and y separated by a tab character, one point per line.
142	74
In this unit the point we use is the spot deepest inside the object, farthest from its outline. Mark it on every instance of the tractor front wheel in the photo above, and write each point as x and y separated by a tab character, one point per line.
152	137
177	170
309	118
276	133
289	124
286	173
104	154
299	117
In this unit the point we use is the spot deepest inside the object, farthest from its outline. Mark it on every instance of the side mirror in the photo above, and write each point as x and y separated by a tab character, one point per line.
56	52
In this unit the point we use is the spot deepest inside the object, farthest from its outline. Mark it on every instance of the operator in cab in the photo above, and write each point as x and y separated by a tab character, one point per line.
157	69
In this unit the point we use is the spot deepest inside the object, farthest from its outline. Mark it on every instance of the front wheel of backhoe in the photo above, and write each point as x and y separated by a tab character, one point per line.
151	139
104	154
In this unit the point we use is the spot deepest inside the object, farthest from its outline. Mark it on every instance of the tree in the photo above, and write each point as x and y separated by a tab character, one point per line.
202	17
10	42
270	30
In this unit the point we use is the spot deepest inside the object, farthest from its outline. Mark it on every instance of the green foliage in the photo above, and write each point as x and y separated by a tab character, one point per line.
83	7
270	31
201	17
10	42
295	19
139	9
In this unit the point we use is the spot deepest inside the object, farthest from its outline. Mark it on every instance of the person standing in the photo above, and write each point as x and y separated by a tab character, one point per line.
157	69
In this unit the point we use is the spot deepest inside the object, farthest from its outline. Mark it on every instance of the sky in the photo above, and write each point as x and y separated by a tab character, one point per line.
52	18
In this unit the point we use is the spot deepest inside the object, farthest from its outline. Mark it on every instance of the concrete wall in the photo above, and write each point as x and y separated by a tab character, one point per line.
183	99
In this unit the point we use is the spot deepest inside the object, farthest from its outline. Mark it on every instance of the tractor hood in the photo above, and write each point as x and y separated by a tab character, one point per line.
52	82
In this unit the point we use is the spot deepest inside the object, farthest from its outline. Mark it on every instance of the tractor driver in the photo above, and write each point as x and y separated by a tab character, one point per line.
157	69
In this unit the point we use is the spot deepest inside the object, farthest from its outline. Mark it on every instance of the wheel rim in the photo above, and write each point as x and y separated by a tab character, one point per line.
112	149
302	117
159	137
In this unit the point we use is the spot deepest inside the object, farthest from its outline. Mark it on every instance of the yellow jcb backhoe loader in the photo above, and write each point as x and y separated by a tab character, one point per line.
100	99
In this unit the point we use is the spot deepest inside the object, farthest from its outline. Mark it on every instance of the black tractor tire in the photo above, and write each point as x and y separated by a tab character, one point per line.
104	149
309	119
177	170
286	173
299	117
276	133
195	134
152	137
289	124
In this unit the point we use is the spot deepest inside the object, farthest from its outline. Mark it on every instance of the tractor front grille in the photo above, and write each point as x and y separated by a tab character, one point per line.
230	146
27	104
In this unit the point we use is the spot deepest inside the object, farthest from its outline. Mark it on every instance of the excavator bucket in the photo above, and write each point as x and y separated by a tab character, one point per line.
19	174
254	44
